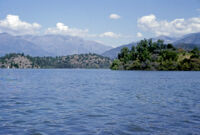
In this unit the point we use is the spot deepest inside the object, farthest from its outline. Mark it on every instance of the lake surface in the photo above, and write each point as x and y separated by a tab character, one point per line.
98	102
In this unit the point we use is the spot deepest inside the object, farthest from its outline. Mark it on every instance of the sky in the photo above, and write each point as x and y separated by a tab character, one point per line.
111	22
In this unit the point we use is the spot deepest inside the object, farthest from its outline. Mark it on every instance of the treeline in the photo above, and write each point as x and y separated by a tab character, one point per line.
19	60
148	55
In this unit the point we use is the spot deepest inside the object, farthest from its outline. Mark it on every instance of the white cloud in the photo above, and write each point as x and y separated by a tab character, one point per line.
114	16
176	27
110	34
139	34
66	30
13	25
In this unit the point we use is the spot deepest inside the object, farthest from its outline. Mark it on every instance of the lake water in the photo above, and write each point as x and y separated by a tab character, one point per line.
98	102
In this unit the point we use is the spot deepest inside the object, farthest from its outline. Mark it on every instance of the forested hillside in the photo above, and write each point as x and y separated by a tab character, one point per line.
72	61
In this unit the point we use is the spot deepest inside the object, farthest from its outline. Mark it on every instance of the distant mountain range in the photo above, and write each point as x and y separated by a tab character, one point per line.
193	38
10	44
59	45
48	45
187	42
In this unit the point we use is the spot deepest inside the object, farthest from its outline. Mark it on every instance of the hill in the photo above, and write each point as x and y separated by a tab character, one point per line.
17	60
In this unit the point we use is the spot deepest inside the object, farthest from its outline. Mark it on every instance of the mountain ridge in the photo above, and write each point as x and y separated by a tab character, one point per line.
48	45
7	42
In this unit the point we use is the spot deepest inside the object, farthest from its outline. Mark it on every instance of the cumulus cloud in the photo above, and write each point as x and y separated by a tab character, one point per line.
13	25
66	30
139	34
114	16
110	34
176	27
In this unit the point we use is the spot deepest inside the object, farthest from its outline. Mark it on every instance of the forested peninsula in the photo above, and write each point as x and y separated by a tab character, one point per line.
149	55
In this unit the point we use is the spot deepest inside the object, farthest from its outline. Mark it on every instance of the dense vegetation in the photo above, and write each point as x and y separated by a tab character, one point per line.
18	60
148	55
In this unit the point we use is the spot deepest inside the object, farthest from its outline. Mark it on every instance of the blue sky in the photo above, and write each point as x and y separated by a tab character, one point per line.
132	20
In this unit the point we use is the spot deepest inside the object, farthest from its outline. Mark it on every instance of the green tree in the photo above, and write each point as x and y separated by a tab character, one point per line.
115	64
124	55
195	53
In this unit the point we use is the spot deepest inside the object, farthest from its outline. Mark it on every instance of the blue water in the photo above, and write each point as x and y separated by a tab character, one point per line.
98	102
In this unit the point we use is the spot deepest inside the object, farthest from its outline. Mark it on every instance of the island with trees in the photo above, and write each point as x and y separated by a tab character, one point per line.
149	55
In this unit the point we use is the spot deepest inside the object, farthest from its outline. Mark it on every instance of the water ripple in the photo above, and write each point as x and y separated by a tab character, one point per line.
99	102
